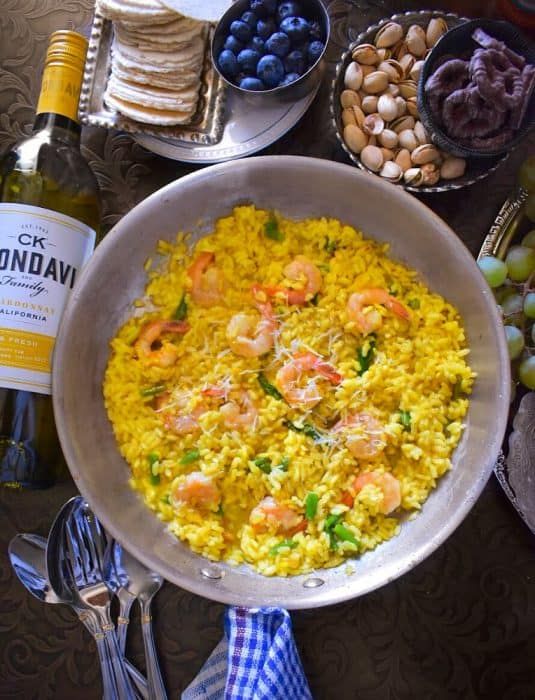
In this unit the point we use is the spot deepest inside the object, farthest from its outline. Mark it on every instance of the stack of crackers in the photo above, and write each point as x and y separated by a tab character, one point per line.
156	64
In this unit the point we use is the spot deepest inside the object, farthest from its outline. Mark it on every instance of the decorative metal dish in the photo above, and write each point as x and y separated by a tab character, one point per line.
475	171
206	125
513	469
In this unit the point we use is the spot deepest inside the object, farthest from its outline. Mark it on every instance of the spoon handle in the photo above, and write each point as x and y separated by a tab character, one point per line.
124	686
154	677
109	685
125	603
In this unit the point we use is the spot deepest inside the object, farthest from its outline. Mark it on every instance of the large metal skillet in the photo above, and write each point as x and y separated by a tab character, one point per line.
297	187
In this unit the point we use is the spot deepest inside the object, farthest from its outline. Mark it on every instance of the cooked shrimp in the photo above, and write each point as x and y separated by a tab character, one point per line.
239	414
364	435
249	337
207	281
388	484
184	423
301	270
271	515
150	347
289	376
174	417
196	489
370	320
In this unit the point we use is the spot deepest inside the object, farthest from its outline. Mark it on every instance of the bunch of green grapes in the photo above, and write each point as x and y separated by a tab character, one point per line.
513	283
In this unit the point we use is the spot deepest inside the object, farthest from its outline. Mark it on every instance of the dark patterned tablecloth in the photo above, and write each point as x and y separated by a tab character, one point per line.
459	625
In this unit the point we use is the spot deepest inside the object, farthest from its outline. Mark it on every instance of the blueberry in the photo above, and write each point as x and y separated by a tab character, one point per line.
295	62
314	51
232	44
295	27
228	64
278	44
249	18
288	9
315	30
289	78
260	8
247	60
241	30
257	44
270	70
265	28
252	84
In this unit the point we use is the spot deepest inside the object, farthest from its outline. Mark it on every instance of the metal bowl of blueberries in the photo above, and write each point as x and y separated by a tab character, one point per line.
271	50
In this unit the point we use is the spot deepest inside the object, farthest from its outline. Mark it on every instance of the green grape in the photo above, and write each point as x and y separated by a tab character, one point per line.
529	239
494	270
520	262
529	207
512	309
515	341
504	292
529	305
526	174
526	372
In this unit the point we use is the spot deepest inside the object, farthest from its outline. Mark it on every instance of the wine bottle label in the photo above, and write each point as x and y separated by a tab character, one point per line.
41	255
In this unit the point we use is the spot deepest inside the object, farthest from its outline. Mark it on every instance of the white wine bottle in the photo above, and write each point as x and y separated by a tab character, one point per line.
49	215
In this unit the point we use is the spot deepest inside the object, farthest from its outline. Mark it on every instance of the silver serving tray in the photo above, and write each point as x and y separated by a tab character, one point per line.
475	171
206	126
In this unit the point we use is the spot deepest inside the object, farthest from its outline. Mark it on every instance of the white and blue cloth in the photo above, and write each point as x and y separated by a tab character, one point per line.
257	659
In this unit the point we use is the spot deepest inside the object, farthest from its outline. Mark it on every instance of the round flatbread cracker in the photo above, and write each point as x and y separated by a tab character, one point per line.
139	11
176	80
147	115
204	10
191	54
153	97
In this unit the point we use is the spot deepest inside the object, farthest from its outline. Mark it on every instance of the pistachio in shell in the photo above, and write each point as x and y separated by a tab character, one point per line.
436	28
354	138
402	123
369	104
387	107
375	82
372	158
348	98
408	140
413	176
389	34
391	171
353	76
415	40
403	159
365	54
452	167
425	153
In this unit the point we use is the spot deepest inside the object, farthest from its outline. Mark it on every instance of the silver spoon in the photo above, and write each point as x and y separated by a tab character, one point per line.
27	556
143	584
74	578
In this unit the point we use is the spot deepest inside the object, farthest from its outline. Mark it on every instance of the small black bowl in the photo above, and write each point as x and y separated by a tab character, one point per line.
313	10
458	42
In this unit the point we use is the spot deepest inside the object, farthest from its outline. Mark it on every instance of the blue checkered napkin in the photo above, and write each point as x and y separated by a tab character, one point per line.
256	660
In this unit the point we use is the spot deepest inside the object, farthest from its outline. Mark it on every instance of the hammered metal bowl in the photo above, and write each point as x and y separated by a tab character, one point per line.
102	301
475	170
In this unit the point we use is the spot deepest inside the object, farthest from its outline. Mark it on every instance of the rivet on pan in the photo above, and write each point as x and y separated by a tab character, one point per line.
313	583
212	572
